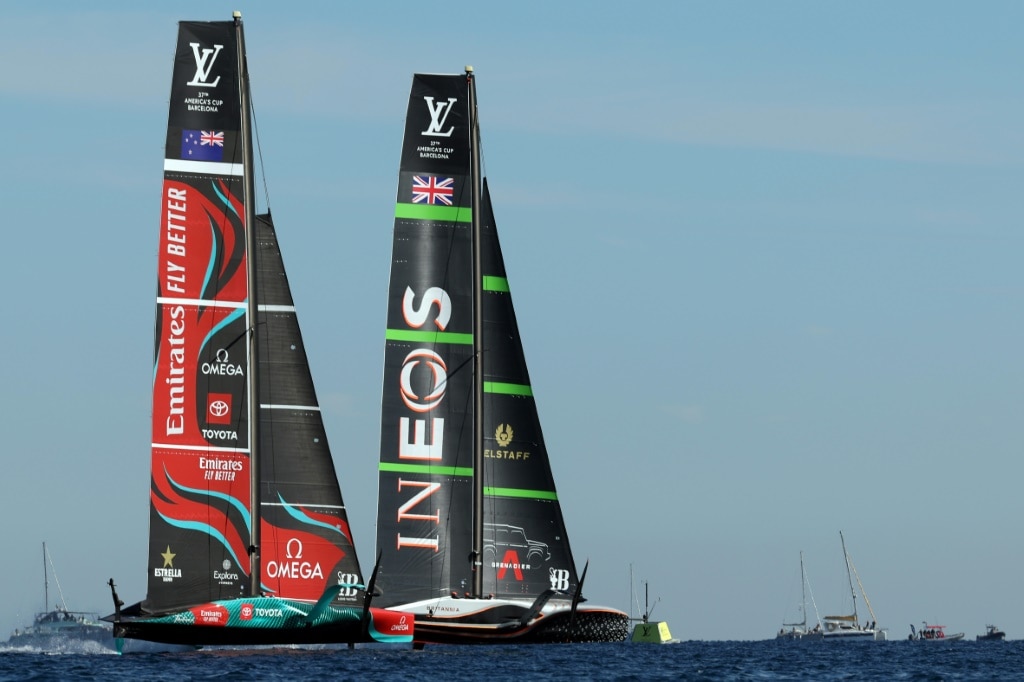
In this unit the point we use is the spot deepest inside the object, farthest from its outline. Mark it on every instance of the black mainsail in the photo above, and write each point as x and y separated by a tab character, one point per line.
469	525
249	536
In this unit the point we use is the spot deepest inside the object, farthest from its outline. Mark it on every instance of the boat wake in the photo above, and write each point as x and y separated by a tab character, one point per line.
61	647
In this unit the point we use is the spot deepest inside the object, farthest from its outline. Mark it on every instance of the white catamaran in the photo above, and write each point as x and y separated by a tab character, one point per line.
848	627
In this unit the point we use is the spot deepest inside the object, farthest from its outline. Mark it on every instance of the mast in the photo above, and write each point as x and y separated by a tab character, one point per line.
476	555
46	584
251	307
849	577
647	600
803	591
803	597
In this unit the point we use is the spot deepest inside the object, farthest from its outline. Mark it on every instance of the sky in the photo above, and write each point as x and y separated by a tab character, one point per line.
765	259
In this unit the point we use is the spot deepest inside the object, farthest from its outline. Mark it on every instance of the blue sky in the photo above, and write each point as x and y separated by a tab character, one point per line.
765	259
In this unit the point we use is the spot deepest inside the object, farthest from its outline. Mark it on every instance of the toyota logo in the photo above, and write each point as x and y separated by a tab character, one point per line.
219	408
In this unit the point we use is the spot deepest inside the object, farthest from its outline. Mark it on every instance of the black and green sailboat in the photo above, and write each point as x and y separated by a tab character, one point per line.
249	540
469	525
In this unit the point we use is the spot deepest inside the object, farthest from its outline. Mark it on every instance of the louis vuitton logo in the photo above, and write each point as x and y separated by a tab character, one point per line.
438	115
204	64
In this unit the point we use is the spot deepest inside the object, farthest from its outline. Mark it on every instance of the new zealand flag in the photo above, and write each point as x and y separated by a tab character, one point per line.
202	145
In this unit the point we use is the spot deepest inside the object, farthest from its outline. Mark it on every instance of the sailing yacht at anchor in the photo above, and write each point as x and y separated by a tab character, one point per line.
800	630
469	523
848	627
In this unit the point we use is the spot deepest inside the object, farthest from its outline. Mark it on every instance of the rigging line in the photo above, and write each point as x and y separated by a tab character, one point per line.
480	144
56	580
259	148
448	558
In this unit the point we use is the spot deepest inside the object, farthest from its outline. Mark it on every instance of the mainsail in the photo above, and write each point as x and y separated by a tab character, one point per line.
249	536
469	523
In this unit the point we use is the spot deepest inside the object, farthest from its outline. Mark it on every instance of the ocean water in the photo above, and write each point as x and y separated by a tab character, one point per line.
768	660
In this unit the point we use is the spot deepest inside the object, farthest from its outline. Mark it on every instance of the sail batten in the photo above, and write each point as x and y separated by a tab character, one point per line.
519	492
507	388
495	284
432	337
297	408
204	168
427	469
202	302
199	448
454	214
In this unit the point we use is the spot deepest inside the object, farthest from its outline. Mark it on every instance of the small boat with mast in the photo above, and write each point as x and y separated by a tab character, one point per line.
800	630
848	627
59	628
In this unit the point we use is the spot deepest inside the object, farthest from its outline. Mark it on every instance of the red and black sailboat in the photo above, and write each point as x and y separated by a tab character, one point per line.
469	524
249	537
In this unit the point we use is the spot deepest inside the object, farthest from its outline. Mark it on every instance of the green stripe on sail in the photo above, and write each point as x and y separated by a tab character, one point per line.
439	214
519	492
508	389
492	283
428	336
427	469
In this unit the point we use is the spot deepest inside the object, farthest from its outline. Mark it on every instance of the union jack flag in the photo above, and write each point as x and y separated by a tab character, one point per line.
212	137
430	189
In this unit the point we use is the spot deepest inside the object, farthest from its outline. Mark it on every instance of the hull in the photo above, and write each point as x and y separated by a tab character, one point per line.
933	633
851	634
799	634
58	639
992	634
948	638
850	637
500	621
263	621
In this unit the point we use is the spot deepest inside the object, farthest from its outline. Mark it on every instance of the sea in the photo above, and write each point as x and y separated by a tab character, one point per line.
695	660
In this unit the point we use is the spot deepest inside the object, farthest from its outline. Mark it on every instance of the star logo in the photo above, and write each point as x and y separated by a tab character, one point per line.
168	558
